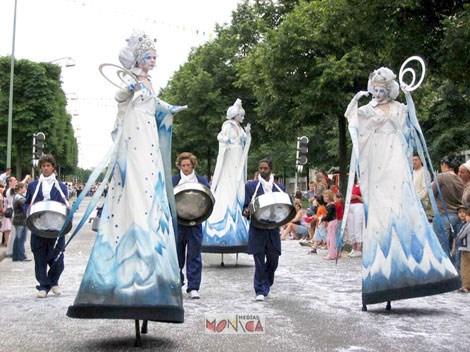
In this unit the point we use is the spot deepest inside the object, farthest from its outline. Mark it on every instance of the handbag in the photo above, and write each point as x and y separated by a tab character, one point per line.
8	213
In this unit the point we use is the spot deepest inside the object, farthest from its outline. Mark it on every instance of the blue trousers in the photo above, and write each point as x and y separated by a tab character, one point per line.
18	245
189	252
46	267
265	267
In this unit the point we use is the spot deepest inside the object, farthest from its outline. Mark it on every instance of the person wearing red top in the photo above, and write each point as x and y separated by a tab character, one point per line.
355	221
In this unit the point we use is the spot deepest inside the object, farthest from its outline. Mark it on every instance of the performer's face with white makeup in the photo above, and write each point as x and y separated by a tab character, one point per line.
239	118
186	166
380	93
148	61
264	170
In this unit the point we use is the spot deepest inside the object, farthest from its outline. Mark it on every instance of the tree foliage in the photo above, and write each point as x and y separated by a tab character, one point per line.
297	64
39	105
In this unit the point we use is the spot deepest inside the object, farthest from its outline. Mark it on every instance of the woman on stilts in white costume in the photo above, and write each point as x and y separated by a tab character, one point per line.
402	257
133	270
226	230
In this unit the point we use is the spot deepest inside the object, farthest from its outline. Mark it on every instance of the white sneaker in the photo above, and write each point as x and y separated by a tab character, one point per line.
194	294
350	254
41	294
259	298
56	290
356	254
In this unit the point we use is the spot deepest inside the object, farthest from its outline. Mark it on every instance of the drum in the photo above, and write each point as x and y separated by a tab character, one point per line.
194	203
271	210
46	218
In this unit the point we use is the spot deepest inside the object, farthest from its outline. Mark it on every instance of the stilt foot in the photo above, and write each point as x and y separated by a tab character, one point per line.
364	308
138	341
388	306
144	329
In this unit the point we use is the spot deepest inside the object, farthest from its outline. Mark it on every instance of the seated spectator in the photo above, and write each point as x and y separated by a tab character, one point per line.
319	237
295	228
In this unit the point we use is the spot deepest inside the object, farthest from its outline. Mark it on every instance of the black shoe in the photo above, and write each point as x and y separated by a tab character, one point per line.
26	260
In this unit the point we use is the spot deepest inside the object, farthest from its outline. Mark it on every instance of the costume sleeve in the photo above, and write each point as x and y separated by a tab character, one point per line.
351	110
225	133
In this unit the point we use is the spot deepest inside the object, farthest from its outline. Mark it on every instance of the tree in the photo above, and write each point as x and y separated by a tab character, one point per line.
306	71
38	106
206	83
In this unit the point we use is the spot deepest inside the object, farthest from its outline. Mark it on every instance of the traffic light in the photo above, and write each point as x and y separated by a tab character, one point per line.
40	137
38	147
302	150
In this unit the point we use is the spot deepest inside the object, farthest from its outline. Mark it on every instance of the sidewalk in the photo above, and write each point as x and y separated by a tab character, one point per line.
314	305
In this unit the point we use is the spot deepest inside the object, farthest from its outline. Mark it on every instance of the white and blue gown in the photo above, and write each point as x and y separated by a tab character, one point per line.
402	257
226	230
133	272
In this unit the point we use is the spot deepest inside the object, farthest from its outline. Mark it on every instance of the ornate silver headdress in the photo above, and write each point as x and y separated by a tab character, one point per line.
386	78
137	45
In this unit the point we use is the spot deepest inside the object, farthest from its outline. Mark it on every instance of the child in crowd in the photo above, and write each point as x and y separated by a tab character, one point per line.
331	223
464	249
339	204
19	221
455	253
319	237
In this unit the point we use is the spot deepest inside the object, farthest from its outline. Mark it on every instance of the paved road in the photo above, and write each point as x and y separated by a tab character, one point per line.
315	305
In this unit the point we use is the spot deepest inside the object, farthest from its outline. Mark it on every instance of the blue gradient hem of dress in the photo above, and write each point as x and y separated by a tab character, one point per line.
233	238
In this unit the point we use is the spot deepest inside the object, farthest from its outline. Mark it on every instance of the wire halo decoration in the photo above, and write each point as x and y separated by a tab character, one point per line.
412	86
121	73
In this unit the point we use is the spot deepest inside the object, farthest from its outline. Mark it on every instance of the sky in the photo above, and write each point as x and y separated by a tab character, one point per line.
92	32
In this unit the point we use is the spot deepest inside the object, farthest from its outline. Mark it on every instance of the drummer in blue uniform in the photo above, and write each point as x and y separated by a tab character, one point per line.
45	250
263	244
189	237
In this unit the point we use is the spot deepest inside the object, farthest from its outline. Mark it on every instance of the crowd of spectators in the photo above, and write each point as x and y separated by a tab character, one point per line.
318	225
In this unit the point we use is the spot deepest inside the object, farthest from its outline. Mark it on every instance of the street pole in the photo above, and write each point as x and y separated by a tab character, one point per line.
10	102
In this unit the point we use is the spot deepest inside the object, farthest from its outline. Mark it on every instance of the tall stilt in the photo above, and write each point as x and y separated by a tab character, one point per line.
144	329
138	341
222	260
236	260
388	306
364	308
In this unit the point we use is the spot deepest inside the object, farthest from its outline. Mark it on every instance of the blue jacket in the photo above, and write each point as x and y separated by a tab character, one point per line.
55	195
201	179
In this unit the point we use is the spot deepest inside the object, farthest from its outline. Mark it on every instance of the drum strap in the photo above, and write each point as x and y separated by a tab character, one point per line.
56	184
257	188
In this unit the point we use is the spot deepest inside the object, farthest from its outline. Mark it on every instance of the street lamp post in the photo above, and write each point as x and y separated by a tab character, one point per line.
10	101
